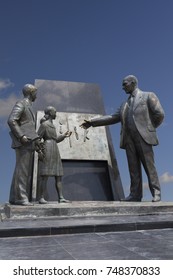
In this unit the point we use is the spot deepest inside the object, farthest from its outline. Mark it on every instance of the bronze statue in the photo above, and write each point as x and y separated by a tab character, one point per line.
24	140
140	115
50	163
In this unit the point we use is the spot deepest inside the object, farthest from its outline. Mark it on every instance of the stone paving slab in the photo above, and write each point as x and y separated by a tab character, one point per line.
84	224
82	217
124	245
131	233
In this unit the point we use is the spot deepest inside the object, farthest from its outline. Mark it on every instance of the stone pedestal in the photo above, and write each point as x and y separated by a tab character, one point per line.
87	209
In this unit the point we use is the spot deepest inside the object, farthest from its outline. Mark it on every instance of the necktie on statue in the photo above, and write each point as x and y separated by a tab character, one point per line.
130	101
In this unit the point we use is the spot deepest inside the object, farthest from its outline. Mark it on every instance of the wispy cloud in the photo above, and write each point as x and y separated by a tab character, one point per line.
110	110
166	178
6	105
5	83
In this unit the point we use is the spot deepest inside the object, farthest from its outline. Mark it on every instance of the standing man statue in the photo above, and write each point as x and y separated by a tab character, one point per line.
140	115
24	140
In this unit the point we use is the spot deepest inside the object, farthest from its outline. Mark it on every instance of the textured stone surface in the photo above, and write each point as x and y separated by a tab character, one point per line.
155	244
132	231
87	208
78	101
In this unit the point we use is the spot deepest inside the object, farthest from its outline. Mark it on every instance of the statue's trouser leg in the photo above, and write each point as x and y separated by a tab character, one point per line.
21	182
138	151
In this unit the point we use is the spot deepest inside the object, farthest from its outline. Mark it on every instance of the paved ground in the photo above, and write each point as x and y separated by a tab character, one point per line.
144	234
127	245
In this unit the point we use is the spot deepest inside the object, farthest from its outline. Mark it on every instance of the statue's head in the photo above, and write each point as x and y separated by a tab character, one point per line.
130	83
50	111
30	91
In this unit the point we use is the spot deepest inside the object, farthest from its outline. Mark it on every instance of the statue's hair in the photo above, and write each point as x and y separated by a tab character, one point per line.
28	89
132	78
47	113
48	109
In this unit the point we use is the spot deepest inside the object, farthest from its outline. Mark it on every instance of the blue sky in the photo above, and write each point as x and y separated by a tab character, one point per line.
92	41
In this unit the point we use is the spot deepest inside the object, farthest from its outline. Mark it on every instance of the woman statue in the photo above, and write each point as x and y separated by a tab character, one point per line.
50	164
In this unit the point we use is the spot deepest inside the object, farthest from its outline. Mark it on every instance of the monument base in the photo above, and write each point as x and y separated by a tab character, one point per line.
85	208
84	217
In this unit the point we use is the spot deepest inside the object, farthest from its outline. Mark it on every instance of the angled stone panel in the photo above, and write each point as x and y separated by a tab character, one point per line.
90	166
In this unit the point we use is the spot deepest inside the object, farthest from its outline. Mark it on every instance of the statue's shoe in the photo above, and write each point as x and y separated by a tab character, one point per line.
63	200
42	201
131	198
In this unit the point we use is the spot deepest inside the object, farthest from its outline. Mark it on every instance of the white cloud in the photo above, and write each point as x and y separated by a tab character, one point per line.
6	105
5	83
166	178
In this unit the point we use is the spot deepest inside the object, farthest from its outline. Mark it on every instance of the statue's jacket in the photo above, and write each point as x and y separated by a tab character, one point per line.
22	122
147	112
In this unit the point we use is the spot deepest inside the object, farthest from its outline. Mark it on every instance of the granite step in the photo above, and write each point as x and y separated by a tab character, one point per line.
85	208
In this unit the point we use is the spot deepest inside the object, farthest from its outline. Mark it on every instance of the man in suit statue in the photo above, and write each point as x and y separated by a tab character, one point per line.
140	115
24	140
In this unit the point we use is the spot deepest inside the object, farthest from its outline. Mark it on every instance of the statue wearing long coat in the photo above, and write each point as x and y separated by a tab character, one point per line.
52	164
22	122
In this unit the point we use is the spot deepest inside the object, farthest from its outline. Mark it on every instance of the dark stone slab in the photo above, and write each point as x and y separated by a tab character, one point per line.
83	181
14	232
69	96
